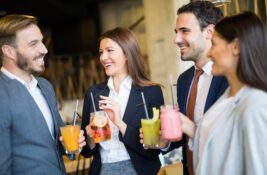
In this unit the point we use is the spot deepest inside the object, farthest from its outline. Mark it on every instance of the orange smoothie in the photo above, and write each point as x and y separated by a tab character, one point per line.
70	134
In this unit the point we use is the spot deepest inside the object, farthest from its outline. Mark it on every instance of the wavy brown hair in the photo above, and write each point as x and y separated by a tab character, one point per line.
129	44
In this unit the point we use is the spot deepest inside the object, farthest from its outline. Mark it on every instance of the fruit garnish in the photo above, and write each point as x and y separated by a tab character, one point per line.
100	121
155	114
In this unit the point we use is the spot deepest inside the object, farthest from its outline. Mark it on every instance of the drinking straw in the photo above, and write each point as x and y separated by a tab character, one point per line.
144	101
75	112
171	84
93	101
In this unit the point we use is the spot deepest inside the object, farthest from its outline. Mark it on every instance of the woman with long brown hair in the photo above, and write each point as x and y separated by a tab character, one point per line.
120	97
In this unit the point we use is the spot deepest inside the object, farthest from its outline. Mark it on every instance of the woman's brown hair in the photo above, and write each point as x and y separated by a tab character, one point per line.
251	34
129	44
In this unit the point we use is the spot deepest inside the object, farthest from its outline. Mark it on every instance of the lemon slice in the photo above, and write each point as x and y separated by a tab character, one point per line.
155	114
100	121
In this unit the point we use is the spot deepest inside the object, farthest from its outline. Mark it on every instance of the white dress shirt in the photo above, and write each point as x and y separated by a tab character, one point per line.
114	150
38	97
202	91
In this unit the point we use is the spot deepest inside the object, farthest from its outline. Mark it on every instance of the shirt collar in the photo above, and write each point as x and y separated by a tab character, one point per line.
127	82
207	68
32	84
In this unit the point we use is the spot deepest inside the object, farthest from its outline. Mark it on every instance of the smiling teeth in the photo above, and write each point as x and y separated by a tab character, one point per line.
107	65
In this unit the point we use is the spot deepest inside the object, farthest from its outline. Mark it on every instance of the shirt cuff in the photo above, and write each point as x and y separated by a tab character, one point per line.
166	148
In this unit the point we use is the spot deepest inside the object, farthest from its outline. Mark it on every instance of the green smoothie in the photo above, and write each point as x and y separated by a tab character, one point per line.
150	129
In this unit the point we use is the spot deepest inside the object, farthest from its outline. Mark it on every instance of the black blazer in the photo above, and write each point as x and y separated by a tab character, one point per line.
145	162
217	88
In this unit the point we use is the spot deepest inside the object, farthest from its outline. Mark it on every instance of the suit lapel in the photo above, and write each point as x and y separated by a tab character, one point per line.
53	112
134	100
213	92
31	107
103	90
184	88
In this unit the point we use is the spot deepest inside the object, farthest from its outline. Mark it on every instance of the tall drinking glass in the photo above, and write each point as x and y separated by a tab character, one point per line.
70	135
150	129
170	123
100	126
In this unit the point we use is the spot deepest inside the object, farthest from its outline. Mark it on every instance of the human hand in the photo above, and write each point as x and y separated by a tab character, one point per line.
113	111
81	140
111	108
90	134
188	126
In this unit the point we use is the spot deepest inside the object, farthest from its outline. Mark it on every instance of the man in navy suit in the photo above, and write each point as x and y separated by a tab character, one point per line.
194	28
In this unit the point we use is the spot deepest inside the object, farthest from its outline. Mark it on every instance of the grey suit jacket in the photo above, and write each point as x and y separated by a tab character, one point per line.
233	136
27	146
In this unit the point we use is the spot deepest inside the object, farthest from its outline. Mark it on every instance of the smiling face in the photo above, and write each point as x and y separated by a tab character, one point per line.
224	55
189	37
112	58
30	50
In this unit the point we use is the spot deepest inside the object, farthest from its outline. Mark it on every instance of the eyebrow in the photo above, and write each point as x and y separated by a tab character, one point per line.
109	47
182	28
33	41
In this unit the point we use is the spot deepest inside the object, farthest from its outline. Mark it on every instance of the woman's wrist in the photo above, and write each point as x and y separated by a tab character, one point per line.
90	142
189	127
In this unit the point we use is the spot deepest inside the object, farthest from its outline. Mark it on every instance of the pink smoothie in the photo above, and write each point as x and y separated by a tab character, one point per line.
170	123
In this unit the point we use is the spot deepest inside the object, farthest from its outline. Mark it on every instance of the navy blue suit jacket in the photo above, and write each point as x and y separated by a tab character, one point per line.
145	162
217	88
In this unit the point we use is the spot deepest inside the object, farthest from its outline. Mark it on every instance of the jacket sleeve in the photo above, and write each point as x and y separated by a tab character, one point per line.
254	128
5	135
131	139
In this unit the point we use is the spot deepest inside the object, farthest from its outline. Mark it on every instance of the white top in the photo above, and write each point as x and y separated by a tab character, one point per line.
38	97
231	138
114	150
203	87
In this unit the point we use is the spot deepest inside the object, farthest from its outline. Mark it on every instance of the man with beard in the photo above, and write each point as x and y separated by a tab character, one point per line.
29	120
197	89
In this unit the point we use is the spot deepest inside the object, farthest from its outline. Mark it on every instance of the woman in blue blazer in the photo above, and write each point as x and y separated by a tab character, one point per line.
120	97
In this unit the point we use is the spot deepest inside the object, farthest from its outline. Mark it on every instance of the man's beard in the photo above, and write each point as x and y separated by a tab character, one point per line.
193	56
23	64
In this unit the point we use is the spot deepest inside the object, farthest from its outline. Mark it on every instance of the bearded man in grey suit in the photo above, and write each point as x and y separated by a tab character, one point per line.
29	120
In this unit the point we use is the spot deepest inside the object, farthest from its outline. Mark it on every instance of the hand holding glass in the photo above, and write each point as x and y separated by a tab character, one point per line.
170	123
70	135
100	126
150	128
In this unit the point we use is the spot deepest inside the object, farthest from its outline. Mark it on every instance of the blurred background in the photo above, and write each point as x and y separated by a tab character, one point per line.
71	30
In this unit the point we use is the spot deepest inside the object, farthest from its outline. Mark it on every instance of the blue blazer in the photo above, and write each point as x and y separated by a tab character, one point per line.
27	146
217	88
145	162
